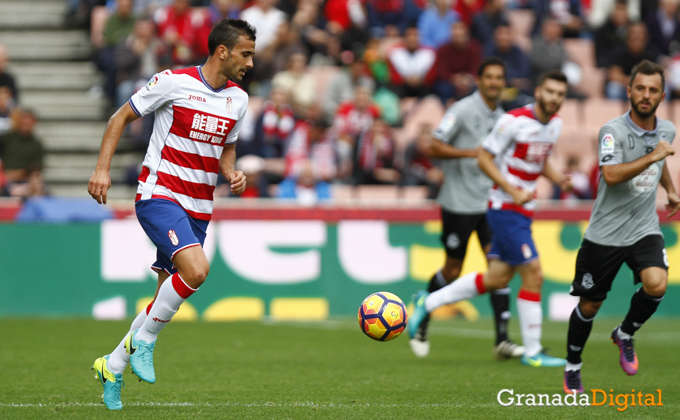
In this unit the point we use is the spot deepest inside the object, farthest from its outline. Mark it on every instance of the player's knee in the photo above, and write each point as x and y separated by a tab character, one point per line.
589	308
656	287
196	275
451	271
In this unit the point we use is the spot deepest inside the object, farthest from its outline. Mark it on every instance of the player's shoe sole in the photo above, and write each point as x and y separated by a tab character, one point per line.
111	383
419	313
141	357
507	349
627	357
572	382
543	360
420	348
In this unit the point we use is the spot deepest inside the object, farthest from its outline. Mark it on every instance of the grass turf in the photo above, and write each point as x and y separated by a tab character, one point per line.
317	370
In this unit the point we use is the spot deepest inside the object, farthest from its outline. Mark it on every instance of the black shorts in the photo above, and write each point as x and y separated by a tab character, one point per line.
456	231
597	265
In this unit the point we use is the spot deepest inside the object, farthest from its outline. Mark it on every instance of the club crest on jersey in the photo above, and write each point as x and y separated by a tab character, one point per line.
230	106
173	237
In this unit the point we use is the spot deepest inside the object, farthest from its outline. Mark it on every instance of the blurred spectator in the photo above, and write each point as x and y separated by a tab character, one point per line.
136	59
252	167
637	48
118	26
418	167
352	118
375	156
347	20
547	49
434	24
412	67
391	17
274	125
266	18
376	61
485	22
566	12
309	144
274	58
306	189
224	9
468	8
341	86
6	107
673	77
518	65
185	31
22	155
6	79
664	28
579	180
457	64
612	35
298	83
311	26
600	10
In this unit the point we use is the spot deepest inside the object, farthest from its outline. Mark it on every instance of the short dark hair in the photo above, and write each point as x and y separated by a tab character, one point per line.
648	68
227	32
491	61
552	75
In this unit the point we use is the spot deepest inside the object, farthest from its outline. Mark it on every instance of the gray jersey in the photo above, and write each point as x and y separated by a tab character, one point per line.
465	125
626	212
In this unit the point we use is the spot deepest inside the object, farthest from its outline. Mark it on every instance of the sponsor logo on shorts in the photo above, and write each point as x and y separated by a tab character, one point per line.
453	241
173	237
526	251
587	281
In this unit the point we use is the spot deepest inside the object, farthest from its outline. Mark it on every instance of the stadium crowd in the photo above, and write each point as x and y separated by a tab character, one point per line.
334	79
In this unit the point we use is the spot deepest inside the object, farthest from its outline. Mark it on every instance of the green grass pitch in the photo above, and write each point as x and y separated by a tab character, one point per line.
326	370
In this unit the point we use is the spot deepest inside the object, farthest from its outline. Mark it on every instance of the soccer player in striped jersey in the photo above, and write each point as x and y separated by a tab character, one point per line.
198	112
514	155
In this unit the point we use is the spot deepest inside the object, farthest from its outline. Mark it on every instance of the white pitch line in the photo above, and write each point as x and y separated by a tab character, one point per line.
268	404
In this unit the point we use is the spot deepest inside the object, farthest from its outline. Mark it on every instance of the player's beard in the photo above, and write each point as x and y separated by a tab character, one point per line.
544	107
634	105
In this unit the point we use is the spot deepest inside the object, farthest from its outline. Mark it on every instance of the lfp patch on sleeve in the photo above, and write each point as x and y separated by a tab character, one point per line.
447	122
608	143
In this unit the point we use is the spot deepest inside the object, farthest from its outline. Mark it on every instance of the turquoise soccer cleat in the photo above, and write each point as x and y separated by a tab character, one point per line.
419	313
543	360
111	383
141	357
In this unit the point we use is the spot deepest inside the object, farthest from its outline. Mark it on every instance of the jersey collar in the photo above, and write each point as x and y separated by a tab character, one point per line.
478	97
200	73
639	131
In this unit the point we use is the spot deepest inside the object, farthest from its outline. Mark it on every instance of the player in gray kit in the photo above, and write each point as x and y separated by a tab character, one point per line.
624	225
464	195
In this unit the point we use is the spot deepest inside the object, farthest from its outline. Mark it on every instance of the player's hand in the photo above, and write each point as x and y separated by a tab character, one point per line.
238	182
99	185
673	204
521	196
566	184
662	150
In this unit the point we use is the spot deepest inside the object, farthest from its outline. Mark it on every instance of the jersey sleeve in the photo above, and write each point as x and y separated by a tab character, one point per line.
449	127
610	147
500	136
153	95
233	134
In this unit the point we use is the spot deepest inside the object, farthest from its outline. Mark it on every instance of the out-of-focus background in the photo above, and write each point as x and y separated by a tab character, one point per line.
343	98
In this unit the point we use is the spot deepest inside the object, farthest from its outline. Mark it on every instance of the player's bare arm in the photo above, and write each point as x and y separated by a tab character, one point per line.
227	167
440	150
100	181
621	172
564	181
485	161
673	200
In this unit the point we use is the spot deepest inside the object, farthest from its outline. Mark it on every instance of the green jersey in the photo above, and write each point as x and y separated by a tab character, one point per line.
626	212
465	125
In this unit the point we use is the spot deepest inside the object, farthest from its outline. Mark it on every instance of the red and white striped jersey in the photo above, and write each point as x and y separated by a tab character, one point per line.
192	124
520	144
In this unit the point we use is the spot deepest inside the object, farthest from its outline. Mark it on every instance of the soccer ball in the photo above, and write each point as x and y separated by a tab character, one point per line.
382	316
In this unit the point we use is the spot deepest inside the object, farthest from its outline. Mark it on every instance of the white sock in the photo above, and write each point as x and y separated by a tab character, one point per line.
530	321
464	287
622	335
119	358
573	366
170	297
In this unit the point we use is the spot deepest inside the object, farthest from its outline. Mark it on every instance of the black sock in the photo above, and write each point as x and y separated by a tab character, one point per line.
500	302
579	330
437	282
642	306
